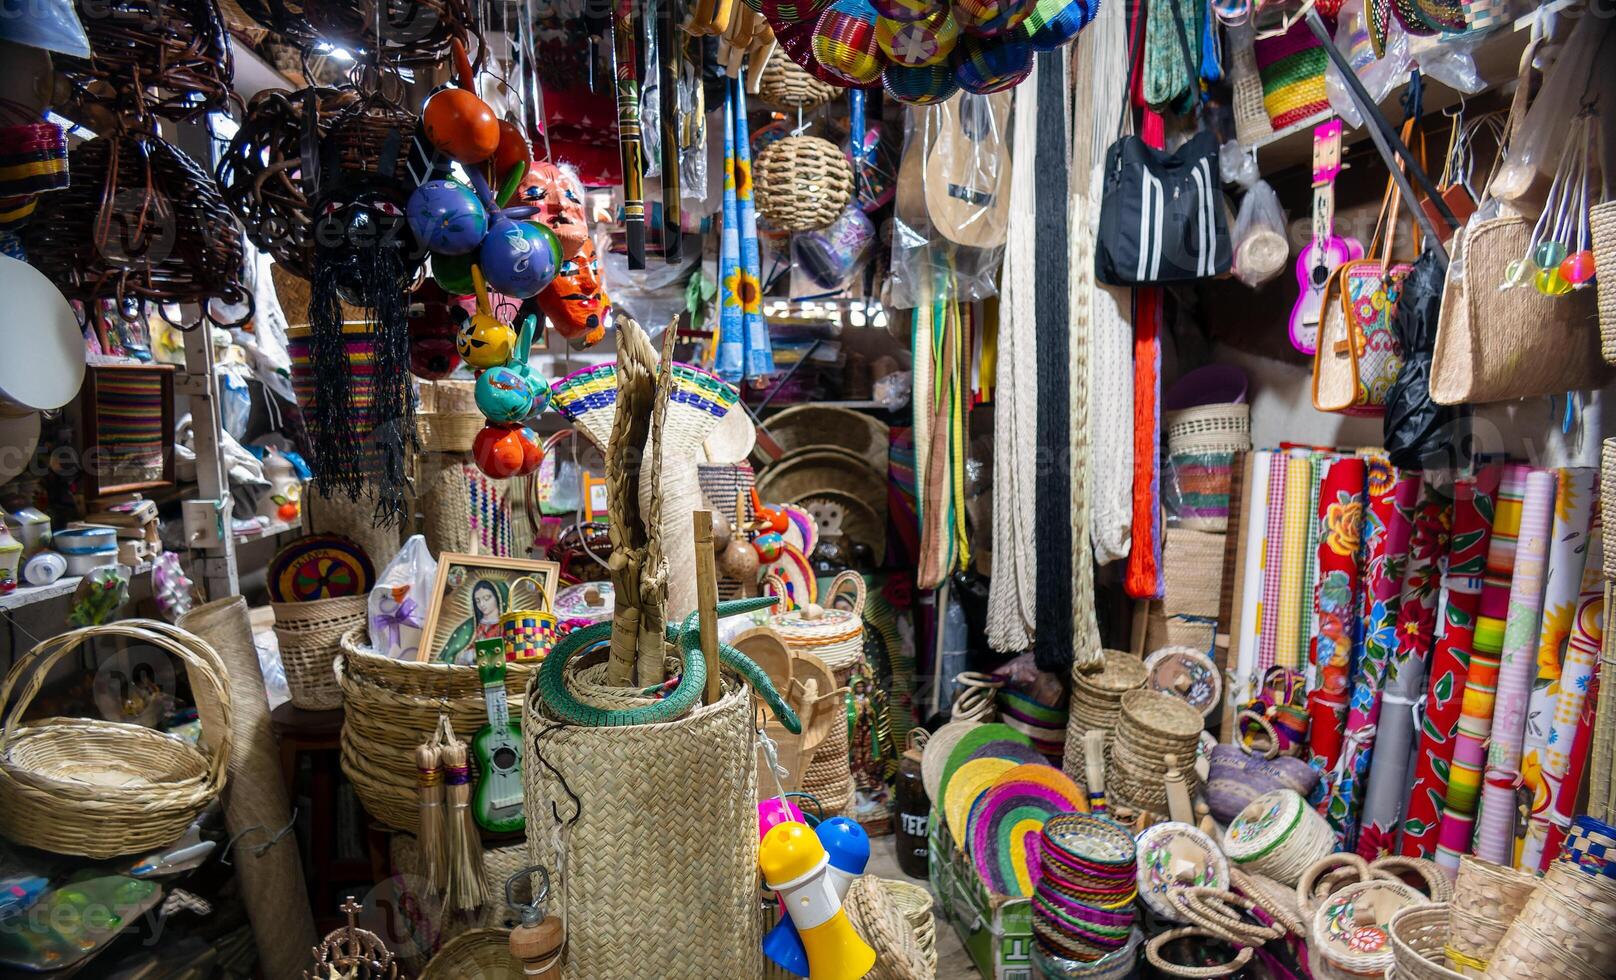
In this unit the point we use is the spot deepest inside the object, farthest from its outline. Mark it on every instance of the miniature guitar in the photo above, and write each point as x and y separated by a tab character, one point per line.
497	804
1326	250
967	170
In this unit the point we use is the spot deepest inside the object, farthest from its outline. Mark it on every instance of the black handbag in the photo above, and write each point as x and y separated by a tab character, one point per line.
1162	217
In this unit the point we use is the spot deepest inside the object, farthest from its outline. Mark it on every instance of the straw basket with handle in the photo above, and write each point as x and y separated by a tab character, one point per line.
101	789
529	633
834	635
310	637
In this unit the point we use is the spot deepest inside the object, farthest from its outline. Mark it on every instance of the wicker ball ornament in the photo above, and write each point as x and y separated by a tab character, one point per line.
786	85
985	67
844	42
802	183
918	43
930	85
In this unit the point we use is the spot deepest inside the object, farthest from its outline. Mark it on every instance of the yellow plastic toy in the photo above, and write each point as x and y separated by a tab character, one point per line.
796	865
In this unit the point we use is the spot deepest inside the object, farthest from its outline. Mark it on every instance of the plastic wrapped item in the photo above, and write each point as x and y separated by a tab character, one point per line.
1450	59
942	242
49	24
1573	80
1379	76
1261	249
398	601
827	260
1237	165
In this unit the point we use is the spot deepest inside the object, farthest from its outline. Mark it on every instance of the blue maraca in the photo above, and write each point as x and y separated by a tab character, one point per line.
511	392
447	216
519	258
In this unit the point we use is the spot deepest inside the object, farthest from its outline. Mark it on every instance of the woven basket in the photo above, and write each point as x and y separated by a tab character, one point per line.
1251	122
1566	930
915	902
1096	701
310	637
828	775
100	789
882	924
481	954
448	432
1205	428
1192	566
802	183
499	863
334	513
391	707
835	636
1419	934
661	835
784	85
1486	899
1602	223
1334	942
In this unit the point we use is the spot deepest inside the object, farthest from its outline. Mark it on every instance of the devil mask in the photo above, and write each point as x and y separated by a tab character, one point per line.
574	302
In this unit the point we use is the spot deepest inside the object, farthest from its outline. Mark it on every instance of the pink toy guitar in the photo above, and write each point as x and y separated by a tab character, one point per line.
1326	250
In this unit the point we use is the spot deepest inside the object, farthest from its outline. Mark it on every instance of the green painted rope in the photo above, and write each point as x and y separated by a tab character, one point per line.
559	702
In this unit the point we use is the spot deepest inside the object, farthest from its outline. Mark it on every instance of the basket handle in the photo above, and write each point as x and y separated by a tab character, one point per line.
538	587
202	664
775	585
844	581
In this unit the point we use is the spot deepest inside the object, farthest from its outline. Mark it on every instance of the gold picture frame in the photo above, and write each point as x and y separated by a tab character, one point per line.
465	595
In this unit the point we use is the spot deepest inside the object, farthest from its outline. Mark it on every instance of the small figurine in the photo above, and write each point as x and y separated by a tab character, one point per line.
352	953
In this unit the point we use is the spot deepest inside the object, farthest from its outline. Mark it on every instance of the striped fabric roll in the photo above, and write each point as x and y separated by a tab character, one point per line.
1299	490
1273	563
1254	525
1476	713
1310	548
1335	600
1495	833
1291	67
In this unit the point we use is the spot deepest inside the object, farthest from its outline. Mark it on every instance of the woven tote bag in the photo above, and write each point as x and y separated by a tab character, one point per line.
1494	344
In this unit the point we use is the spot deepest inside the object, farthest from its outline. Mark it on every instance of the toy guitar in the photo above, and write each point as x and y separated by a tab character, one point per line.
497	804
1327	249
967	176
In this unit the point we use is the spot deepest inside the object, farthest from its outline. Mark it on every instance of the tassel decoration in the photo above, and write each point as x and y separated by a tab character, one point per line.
430	843
465	853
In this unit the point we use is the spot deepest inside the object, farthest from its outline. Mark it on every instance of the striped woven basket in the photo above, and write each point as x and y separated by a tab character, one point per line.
1291	67
834	635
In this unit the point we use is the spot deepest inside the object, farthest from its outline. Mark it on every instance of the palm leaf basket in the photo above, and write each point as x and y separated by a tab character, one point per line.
101	789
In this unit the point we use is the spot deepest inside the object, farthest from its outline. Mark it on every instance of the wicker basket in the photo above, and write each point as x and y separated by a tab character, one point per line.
882	924
828	775
499	863
1486	899
481	954
310	637
661	834
784	85
1602	223
1097	701
835	636
1566	930
802	183
100	789
1251	122
448	432
1206	428
391	707
915	902
1419	935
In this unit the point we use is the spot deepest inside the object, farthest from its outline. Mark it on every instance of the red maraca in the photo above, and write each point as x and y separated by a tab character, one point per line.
499	452
458	122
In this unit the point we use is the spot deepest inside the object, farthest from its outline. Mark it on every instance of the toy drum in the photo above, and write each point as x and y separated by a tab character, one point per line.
528	633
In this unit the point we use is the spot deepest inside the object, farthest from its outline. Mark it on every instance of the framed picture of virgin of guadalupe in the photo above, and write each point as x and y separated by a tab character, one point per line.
470	596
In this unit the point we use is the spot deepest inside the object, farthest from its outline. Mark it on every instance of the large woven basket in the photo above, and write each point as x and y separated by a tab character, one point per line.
499	863
835	636
1566	930
660	832
391	707
101	789
1419	935
481	954
827	776
310	637
1486	899
1602	223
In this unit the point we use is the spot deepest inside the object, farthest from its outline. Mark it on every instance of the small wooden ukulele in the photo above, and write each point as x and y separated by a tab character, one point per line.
497	804
968	170
1326	250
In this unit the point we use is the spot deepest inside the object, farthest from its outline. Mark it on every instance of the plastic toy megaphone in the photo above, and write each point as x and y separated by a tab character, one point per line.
797	864
848	847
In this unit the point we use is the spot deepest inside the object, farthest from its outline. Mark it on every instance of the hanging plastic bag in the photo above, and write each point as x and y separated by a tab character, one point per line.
398	601
1237	165
1261	249
826	260
1379	76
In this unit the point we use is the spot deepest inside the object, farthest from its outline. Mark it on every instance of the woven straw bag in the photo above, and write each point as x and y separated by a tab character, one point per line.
481	954
391	706
310	637
827	776
1497	344
1251	121
660	834
802	183
1602	223
499	863
835	636
1566	930
1486	899
1419	934
101	789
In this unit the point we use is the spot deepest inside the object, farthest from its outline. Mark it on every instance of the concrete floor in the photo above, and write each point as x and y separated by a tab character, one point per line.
952	961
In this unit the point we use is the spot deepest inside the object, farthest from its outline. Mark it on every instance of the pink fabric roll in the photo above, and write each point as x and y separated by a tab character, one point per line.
1495	830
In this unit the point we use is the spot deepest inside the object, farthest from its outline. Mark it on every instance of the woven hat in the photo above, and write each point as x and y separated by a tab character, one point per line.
985	67
844	42
731	441
991	18
920	86
920	42
1052	23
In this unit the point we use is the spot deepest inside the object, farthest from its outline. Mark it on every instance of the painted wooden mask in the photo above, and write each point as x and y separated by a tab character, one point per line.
560	200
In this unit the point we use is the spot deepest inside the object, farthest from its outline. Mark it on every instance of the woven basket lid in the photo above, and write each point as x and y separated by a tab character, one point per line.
1171	854
1264	822
820	468
1119	671
1091	838
1350	927
818	426
1161	714
816	624
1187	674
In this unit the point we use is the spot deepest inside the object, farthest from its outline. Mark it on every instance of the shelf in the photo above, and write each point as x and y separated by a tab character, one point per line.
269	530
30	595
1497	61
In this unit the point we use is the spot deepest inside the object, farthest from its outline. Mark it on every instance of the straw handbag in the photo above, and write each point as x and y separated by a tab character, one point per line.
101	789
310	637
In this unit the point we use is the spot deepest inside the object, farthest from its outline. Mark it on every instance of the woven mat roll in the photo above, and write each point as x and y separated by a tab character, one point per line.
337	514
255	800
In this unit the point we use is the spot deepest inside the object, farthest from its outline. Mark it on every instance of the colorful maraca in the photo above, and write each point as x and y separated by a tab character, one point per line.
502	451
519	258
484	340
511	392
457	122
447	217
